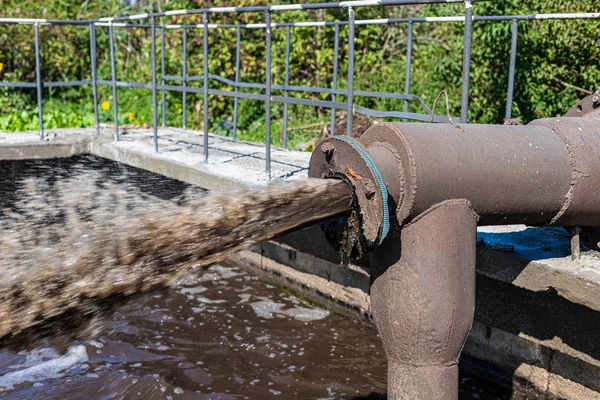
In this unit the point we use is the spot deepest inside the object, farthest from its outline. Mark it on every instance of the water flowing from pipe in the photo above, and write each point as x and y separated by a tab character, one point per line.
67	251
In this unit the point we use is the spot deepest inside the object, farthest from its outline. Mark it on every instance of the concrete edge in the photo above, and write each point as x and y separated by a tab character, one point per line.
61	147
350	301
196	174
571	279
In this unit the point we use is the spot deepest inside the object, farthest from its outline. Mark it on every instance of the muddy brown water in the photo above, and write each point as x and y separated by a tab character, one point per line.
216	332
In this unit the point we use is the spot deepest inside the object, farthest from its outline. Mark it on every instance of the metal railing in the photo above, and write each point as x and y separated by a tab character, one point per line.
333	104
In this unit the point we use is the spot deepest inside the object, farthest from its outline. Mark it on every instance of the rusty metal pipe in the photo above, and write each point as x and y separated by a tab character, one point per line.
423	302
547	172
426	184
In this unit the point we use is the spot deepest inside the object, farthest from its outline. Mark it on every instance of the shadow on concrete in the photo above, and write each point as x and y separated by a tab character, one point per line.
544	316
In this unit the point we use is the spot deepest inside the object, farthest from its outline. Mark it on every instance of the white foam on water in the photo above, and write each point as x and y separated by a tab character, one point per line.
43	370
244	297
267	308
35	357
202	299
307	314
193	290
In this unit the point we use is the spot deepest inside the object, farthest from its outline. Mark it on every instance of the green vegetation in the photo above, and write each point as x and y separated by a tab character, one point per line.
557	63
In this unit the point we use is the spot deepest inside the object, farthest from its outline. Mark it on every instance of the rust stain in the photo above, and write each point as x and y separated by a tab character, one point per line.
353	174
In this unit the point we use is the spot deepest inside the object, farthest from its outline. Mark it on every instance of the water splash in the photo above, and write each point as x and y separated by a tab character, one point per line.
73	240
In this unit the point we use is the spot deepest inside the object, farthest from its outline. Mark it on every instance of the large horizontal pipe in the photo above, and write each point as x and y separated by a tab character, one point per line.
547	172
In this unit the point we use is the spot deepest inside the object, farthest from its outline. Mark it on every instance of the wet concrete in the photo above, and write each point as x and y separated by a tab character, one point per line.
219	333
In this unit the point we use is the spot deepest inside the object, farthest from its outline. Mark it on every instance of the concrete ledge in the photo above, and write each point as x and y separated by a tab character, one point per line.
195	174
338	297
535	370
61	147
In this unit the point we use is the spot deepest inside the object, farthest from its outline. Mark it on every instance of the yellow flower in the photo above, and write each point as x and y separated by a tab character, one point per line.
131	116
1	67
105	105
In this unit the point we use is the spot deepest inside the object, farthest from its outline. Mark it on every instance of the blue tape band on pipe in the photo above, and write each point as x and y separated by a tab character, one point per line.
385	226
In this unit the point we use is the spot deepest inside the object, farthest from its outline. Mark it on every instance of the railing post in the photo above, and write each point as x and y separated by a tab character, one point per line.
162	77
154	91
350	106
94	75
205	62
287	82
409	46
336	50
464	106
113	71
38	78
511	68
268	94
184	73
238	45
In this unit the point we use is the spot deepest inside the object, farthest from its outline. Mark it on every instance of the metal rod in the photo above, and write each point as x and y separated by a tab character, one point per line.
163	113
154	94
287	82
409	45
94	76
511	68
290	100
336	52
105	21
238	45
205	62
385	21
113	71
184	72
38	79
464	105
350	99
268	95
283	7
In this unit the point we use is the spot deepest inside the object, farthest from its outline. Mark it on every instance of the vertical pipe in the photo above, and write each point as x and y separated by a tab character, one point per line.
511	68
336	51
184	93
38	78
464	106
154	89
113	71
350	106
437	267
238	45
287	82
268	94
94	75
409	46
162	77
205	61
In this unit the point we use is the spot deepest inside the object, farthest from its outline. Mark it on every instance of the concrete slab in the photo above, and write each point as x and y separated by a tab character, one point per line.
539	259
237	161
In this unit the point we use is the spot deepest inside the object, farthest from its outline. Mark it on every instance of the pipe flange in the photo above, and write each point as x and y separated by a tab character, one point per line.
588	107
341	157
